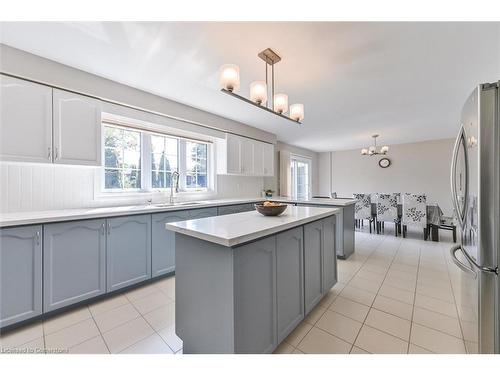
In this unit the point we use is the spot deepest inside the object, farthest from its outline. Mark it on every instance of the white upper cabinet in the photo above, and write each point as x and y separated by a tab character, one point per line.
268	159
77	129
244	156
26	121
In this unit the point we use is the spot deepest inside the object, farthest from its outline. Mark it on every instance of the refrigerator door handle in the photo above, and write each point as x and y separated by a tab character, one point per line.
461	214
459	264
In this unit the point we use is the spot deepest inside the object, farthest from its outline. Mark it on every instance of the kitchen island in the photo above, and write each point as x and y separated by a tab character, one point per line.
244	281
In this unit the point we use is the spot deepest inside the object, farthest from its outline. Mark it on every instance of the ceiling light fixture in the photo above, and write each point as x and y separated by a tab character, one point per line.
372	150
276	104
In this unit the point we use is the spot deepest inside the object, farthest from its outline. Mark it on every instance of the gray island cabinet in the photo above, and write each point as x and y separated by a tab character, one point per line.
245	281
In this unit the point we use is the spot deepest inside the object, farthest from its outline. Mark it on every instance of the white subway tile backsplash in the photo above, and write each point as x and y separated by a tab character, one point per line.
41	187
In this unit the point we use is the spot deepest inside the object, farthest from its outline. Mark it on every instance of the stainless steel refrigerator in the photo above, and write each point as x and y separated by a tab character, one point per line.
475	185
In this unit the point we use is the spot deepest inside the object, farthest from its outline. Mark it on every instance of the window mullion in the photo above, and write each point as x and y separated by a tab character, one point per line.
146	162
182	164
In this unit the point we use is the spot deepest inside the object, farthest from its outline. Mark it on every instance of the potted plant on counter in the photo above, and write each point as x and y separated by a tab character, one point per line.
268	193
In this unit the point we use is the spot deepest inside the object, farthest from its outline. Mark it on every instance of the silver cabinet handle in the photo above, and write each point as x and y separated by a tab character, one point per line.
37	236
109	228
103	229
471	261
459	264
57	154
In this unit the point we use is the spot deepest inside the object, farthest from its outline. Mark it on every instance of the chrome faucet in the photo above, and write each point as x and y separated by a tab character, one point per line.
175	177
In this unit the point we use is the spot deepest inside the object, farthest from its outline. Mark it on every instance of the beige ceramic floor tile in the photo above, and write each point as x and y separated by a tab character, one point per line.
66	319
161	317
72	335
108	304
327	300
150	345
92	346
127	334
436	305
167	286
151	302
356	350
21	335
394	307
298	333
320	342
358	295
36	346
440	322
433	291
364	284
284	348
436	341
297	351
400	283
397	294
169	336
389	323
368	275
339	325
113	318
354	310
414	349
314	315
375	341
141	292
472	347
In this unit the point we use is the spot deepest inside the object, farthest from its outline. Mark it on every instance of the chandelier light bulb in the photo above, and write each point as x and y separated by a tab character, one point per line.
281	103
230	77
297	112
364	151
258	92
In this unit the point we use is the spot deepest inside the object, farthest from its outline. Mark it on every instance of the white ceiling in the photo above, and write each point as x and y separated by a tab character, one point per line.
405	81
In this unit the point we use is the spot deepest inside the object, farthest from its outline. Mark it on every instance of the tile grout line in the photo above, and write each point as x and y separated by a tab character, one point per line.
414	298
100	332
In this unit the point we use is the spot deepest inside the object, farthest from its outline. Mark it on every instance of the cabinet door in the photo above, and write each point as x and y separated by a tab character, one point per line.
329	254
128	251
25	121
247	167
233	209
74	262
268	159
200	213
163	242
77	129
313	267
233	150
20	274
290	280
258	158
255	296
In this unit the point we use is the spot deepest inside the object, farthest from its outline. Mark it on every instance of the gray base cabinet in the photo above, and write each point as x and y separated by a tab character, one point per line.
255	297
290	280
320	260
234	209
128	248
74	262
20	274
163	241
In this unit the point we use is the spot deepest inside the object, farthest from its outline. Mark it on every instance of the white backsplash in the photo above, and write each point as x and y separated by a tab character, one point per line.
40	187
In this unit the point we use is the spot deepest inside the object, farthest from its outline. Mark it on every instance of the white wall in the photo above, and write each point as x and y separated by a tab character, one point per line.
422	167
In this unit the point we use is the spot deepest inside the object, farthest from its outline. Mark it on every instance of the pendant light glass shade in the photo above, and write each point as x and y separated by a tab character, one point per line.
258	92
281	103
364	151
230	77
384	149
297	112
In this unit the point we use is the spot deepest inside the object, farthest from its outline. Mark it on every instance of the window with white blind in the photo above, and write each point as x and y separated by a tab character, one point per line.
301	177
139	160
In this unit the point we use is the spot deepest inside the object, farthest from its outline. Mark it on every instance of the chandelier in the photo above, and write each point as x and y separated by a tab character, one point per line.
278	103
372	150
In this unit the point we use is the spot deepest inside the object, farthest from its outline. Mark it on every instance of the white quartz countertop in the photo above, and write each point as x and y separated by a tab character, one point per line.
41	217
235	229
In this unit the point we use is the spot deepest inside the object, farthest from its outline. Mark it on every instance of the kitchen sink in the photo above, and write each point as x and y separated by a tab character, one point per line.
176	204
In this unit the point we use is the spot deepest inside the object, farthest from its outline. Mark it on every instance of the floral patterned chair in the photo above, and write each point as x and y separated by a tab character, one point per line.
415	212
387	211
363	210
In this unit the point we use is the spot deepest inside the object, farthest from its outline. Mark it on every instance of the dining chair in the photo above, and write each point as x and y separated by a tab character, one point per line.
387	211
415	212
363	210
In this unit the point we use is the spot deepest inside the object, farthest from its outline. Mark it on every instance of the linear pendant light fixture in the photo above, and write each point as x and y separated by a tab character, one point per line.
275	103
372	150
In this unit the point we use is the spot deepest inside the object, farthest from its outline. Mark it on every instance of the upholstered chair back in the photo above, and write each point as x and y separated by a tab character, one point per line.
363	207
414	209
387	207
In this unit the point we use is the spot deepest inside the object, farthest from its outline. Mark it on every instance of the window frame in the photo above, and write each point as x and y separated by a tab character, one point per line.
308	161
146	170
